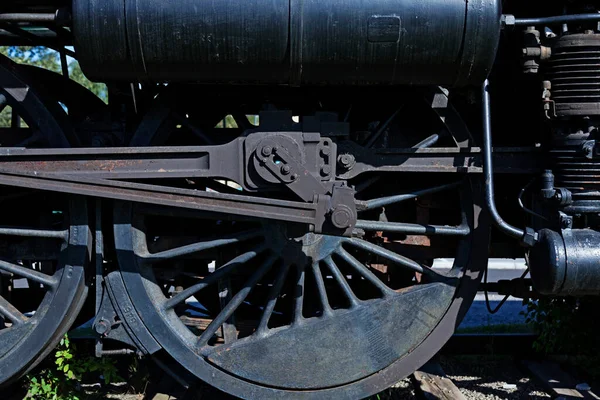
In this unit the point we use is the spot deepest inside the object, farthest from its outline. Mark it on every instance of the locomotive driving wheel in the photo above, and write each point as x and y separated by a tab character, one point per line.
264	309
44	238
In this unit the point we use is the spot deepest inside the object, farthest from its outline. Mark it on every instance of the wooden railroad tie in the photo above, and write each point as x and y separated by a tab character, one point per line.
431	383
556	381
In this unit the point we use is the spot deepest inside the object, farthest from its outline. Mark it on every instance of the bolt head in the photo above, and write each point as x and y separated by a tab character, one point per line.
508	20
325	151
566	223
102	327
267	151
346	160
341	217
285	169
325	170
294	177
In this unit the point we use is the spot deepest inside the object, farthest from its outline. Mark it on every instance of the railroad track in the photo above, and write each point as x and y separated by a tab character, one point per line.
432	383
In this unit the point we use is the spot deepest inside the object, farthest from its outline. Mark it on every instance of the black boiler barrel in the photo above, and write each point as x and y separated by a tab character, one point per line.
290	42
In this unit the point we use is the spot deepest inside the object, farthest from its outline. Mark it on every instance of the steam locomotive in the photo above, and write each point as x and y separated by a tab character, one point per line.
261	201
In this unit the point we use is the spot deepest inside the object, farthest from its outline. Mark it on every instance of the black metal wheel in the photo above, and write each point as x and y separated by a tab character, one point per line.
37	119
82	105
44	239
43	285
263	309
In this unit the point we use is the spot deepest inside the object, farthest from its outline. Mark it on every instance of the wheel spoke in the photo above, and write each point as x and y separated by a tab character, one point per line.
28	273
337	274
364	272
194	129
229	327
272	300
385	201
395	258
9	311
236	301
299	295
15	122
316	270
200	246
33	233
3	102
428	142
373	138
242	121
220	273
413	229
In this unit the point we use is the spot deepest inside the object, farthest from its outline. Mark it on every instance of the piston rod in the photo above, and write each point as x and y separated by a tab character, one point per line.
559	19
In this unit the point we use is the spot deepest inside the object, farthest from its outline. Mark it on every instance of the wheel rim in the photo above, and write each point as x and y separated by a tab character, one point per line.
27	342
52	259
331	350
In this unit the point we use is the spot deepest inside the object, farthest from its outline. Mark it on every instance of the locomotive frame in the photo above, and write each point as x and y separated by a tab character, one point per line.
293	257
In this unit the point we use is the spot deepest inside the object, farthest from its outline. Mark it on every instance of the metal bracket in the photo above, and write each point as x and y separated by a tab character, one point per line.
287	169
118	320
107	325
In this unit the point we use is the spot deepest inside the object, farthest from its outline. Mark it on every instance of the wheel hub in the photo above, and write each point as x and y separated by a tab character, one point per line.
299	249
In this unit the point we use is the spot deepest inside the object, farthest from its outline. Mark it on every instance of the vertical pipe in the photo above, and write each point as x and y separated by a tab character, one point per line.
488	168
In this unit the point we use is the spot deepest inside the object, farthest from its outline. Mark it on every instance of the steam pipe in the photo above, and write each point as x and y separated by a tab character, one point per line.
488	169
559	19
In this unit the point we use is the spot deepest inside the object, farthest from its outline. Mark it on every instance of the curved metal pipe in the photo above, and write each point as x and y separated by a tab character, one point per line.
488	168
559	19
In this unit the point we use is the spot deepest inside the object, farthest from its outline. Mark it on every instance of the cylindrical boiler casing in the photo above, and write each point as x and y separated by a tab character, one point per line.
290	42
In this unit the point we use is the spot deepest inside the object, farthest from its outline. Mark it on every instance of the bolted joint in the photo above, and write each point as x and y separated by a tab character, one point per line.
530	237
266	151
563	197
347	161
342	216
566	221
508	21
547	185
102	327
285	169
